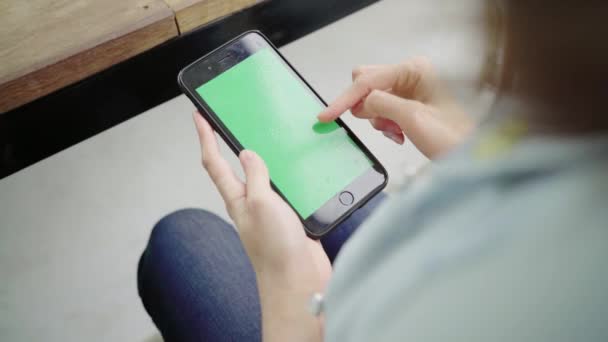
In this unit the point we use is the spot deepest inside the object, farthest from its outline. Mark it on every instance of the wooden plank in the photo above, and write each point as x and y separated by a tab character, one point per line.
48	44
191	14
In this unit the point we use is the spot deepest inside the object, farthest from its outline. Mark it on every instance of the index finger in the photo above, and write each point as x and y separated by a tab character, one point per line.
383	77
231	188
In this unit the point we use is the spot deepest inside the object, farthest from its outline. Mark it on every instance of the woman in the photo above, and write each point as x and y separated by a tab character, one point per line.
507	240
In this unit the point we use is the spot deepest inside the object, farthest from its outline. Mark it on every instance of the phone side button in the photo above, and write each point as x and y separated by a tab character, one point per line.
346	198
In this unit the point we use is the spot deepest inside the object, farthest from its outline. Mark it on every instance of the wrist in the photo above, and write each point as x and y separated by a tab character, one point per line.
285	312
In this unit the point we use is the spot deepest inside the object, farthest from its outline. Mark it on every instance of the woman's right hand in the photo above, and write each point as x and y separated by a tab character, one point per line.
404	100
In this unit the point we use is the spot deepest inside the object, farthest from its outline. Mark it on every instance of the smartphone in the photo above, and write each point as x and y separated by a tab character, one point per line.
256	100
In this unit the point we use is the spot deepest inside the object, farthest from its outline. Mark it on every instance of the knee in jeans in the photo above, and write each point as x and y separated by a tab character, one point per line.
182	225
174	234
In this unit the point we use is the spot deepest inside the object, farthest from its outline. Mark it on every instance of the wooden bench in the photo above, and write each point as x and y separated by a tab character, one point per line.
46	45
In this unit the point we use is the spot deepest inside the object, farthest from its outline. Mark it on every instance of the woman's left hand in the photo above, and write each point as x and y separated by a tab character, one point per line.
289	266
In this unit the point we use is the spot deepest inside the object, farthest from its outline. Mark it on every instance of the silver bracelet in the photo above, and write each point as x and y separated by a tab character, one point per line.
316	304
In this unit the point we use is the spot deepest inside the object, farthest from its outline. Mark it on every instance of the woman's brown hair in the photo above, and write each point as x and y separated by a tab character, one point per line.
554	53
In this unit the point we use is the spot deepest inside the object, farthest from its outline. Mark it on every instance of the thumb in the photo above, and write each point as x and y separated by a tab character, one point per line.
256	173
431	136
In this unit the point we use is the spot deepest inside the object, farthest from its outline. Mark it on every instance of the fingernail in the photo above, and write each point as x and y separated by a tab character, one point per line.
397	138
246	155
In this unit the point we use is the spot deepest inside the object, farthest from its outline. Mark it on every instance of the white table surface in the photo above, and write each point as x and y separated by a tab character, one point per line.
73	226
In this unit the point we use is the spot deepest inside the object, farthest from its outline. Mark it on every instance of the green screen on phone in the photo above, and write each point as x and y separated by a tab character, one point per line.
270	111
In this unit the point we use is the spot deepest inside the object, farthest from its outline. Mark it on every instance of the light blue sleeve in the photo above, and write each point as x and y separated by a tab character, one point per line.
506	250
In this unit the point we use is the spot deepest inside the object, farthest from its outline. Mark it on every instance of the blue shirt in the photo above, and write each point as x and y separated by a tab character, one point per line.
505	240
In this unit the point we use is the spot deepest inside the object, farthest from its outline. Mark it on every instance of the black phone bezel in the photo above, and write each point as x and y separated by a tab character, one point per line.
223	58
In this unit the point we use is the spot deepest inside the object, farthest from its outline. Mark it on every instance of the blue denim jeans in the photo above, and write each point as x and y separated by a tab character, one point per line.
196	281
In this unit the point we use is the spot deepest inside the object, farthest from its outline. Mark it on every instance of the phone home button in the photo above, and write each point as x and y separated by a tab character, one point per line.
346	198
